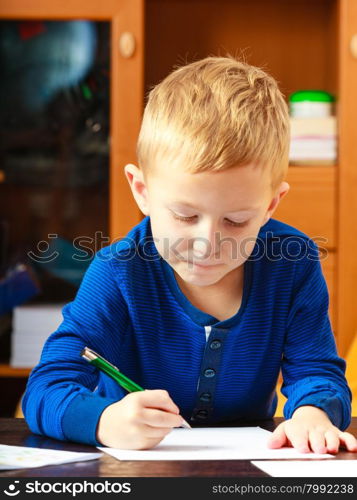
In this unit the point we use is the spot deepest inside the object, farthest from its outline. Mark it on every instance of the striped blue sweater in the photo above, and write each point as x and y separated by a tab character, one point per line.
130	309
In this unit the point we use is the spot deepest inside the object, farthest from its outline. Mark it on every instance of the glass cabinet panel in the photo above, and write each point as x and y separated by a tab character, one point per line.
54	129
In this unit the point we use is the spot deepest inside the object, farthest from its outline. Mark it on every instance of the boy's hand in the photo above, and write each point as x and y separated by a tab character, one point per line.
138	421
310	429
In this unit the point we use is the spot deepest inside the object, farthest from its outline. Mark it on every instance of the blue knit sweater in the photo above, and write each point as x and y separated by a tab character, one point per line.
130	309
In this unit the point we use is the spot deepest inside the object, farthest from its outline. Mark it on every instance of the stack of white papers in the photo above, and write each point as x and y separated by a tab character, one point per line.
19	457
32	325
212	443
313	140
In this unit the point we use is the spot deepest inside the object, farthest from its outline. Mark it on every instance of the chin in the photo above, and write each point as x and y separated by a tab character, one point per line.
202	283
200	280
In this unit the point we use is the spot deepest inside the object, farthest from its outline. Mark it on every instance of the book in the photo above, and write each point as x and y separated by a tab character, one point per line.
32	325
313	140
313	126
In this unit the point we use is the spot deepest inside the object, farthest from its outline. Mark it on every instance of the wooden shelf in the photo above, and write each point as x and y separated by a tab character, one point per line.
9	371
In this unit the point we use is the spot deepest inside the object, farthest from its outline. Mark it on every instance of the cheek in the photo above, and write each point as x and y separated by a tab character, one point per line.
170	242
246	247
248	241
240	246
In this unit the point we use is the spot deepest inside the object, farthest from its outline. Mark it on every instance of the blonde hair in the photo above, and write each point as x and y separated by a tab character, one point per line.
214	114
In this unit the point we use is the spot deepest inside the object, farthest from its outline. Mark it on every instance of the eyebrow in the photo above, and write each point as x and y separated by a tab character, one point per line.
189	205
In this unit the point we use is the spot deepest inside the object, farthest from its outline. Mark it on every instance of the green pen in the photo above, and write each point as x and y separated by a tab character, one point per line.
102	364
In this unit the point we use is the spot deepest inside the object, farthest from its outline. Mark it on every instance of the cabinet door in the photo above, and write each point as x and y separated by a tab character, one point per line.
125	18
71	103
53	162
347	185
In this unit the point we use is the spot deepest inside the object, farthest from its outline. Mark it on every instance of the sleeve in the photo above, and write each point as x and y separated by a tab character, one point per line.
313	373
60	399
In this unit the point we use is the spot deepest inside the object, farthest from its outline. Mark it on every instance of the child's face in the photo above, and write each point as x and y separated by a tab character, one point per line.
205	224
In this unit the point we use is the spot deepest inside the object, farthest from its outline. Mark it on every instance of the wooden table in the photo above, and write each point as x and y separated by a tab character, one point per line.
15	432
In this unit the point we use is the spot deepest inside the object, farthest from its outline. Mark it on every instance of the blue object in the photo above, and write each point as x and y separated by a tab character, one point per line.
35	69
131	310
18	286
63	260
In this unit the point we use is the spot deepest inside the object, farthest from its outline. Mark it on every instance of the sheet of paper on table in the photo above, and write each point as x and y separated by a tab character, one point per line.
20	457
212	443
300	468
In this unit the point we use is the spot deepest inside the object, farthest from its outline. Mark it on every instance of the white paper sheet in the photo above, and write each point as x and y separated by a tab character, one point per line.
212	443
298	468
20	457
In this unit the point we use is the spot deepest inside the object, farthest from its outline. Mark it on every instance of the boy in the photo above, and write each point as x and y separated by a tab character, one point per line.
207	298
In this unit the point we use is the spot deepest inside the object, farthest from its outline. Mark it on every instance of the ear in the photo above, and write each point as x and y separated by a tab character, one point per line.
138	187
281	191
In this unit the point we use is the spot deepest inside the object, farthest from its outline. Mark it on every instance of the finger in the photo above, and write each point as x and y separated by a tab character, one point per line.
278	439
349	441
145	437
156	432
148	443
159	418
332	441
317	441
300	441
158	399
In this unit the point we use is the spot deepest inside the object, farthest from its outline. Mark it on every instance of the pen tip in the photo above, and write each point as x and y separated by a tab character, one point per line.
186	424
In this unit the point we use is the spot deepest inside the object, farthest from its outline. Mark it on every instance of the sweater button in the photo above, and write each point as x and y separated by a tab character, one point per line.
209	373
215	344
201	414
206	397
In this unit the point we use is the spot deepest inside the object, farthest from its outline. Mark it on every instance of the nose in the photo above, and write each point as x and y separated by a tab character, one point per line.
201	247
205	241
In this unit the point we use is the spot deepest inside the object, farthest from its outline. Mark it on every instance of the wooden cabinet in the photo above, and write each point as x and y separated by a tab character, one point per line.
302	43
311	206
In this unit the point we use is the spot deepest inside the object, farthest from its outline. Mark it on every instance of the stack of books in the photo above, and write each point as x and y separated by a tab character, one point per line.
32	325
313	141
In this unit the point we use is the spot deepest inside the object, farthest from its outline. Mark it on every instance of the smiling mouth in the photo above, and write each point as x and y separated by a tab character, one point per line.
203	266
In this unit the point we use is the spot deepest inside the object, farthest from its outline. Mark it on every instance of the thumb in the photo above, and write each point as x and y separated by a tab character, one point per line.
278	439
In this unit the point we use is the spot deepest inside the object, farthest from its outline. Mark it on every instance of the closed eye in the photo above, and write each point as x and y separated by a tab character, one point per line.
192	218
236	224
182	218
